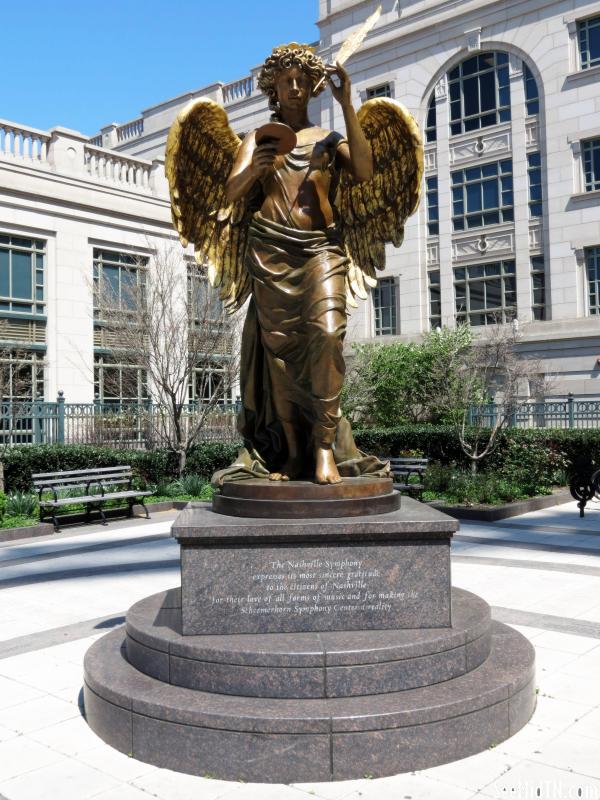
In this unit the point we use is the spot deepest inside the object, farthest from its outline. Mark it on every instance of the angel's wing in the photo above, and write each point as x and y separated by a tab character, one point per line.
374	212
201	149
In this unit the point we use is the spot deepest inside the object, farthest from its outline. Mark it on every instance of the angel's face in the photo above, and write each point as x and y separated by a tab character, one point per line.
293	87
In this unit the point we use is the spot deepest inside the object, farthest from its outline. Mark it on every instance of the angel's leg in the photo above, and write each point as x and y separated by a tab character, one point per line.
287	416
327	332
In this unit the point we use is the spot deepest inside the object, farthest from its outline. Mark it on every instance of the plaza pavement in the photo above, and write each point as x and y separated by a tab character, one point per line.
540	572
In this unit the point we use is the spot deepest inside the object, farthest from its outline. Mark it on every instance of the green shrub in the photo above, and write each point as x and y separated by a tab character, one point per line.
189	484
21	504
152	466
458	485
550	455
2	504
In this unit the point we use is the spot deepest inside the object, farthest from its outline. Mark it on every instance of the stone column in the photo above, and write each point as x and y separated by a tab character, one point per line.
442	110
520	188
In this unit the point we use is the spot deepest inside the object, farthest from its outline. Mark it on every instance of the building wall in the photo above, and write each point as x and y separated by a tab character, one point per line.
57	188
71	199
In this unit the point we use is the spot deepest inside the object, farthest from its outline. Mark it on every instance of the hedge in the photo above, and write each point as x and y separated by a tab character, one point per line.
21	462
572	450
577	449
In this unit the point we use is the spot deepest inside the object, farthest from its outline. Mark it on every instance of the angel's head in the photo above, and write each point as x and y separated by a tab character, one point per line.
291	59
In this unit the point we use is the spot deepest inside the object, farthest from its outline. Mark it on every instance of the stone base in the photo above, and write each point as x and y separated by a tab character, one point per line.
253	576
386	702
263	499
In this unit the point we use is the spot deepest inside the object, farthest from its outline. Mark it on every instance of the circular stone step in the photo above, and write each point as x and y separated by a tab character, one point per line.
306	740
304	665
266	499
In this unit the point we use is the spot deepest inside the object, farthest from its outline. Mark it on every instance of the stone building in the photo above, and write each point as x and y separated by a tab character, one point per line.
508	97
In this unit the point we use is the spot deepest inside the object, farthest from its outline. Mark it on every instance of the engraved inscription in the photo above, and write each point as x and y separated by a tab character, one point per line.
304	587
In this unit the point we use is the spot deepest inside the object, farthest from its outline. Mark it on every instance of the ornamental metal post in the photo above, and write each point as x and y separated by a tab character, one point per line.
37	408
60	418
571	410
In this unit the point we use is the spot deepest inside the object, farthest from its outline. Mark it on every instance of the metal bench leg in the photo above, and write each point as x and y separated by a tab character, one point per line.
55	521
104	522
581	504
143	504
129	508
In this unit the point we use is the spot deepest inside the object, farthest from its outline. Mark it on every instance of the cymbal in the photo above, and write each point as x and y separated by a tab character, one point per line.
278	133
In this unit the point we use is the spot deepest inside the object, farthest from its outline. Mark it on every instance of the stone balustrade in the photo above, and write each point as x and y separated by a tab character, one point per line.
232	92
22	143
69	153
106	165
130	130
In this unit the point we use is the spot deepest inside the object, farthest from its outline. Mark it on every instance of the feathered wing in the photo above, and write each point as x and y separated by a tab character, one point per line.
201	149
373	212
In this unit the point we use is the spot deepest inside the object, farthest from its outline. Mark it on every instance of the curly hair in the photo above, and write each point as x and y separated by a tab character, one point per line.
284	57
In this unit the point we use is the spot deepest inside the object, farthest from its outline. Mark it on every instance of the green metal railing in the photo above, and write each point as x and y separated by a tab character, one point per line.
114	424
567	413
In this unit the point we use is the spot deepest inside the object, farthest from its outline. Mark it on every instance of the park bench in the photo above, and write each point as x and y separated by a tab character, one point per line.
408	474
584	487
90	487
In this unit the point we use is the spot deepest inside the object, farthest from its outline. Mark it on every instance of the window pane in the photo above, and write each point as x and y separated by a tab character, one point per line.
4	273
490	194
21	275
487	85
473	197
470	96
111	277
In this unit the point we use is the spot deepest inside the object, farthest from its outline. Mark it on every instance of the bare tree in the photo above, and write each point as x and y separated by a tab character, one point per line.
492	369
163	317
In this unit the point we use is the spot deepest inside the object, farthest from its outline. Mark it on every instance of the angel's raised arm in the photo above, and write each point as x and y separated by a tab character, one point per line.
251	163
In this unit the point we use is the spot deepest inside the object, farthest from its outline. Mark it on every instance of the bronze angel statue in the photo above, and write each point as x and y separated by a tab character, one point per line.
301	233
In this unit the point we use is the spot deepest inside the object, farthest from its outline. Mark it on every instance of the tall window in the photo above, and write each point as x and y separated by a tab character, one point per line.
119	280
482	195
592	264
433	226
21	376
385	301
117	381
431	123
534	175
22	274
479	92
532	98
210	379
591	164
435	299
203	299
588	31
383	90
485	294
538	287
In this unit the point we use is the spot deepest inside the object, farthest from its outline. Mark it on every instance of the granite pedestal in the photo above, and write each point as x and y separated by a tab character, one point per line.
313	650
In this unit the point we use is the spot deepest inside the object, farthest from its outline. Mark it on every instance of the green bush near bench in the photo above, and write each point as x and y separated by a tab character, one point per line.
529	458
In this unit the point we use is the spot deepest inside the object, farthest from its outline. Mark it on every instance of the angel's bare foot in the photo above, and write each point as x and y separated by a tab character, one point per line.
325	469
278	476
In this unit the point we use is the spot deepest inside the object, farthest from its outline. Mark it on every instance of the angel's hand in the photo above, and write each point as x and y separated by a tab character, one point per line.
263	158
342	91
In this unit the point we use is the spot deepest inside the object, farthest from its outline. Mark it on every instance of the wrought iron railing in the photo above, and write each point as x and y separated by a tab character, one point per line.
115	424
564	413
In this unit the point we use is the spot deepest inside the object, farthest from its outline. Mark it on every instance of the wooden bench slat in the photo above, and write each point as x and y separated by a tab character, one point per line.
65	501
95	471
82	479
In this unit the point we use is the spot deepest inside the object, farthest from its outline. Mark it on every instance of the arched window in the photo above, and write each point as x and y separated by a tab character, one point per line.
479	92
430	124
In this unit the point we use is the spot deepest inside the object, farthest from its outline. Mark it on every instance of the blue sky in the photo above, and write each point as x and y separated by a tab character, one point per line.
82	65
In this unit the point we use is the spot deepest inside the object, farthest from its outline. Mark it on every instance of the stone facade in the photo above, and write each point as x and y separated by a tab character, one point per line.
412	54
